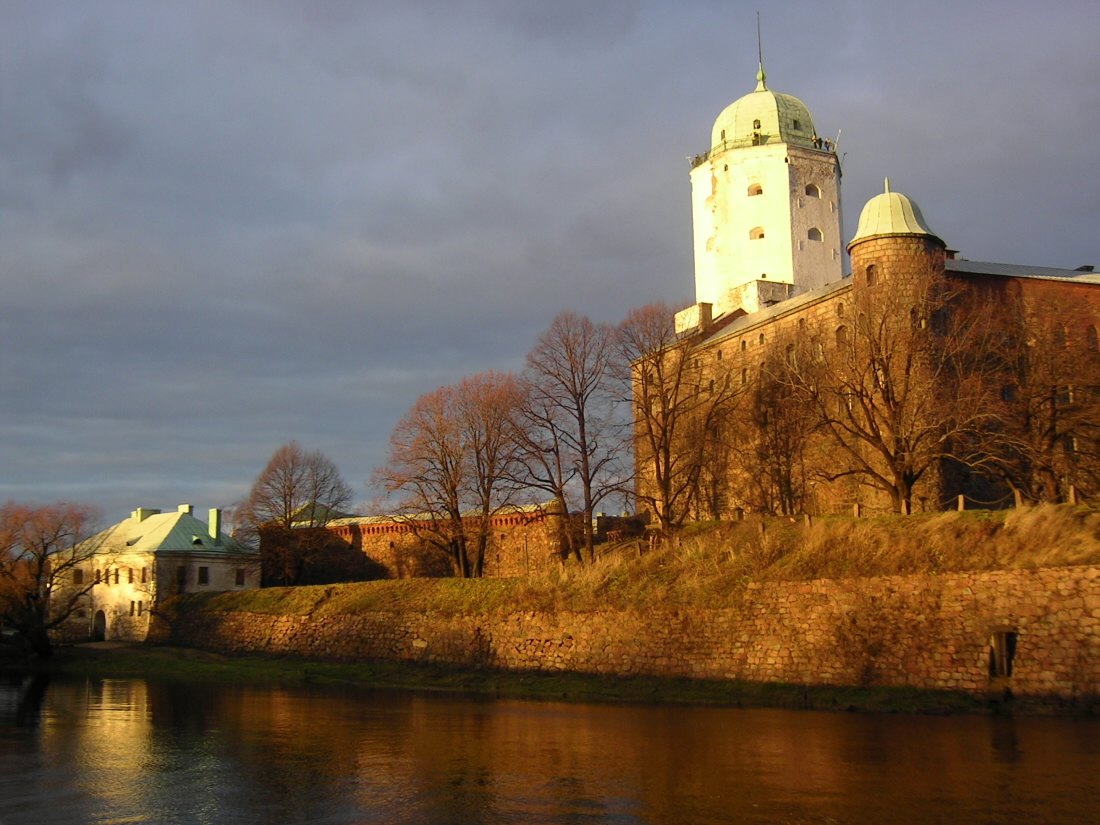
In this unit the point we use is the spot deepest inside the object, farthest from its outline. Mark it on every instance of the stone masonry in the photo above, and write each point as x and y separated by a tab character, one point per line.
926	632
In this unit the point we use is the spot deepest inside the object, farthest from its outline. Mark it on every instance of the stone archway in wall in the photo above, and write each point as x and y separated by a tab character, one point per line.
99	626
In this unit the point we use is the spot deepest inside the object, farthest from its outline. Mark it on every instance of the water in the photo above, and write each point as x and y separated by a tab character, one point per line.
131	751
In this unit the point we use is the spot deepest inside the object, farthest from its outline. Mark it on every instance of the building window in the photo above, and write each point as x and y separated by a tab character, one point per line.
204	575
761	339
141	607
145	575
755	124
133	608
842	337
756	233
129	575
797	126
812	190
756	189
744	345
718	355
744	376
723	134
181	576
98	576
239	573
840	310
871	275
116	575
1091	341
78	576
814	234
1002	652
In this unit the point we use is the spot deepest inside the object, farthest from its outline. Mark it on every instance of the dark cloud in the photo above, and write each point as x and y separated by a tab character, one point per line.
226	224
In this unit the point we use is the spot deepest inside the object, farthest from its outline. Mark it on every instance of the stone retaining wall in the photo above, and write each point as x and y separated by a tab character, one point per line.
927	632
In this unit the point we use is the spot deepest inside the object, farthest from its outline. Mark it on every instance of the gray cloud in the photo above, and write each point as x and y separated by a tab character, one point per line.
224	225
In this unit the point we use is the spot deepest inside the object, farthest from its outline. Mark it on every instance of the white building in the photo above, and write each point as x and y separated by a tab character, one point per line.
146	558
765	208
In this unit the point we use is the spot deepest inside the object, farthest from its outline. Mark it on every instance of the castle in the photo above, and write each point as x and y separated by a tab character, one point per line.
916	379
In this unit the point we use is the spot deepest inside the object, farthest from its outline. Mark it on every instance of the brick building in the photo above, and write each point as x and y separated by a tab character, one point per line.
949	377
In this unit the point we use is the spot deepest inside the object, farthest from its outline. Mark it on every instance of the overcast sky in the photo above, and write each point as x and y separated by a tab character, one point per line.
225	225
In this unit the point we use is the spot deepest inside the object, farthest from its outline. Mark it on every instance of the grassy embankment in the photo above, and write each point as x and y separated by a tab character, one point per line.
712	563
708	567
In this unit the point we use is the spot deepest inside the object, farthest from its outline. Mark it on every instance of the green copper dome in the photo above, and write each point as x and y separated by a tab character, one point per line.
890	213
781	119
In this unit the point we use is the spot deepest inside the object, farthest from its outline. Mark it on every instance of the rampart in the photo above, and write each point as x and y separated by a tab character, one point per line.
1036	632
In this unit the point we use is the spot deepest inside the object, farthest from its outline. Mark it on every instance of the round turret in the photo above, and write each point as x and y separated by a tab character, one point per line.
763	117
890	213
893	242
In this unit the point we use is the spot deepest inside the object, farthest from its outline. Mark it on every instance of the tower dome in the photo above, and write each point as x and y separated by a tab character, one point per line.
890	213
763	117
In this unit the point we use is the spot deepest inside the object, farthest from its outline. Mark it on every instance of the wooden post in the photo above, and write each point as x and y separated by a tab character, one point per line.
962	502
1016	494
856	510
1073	494
904	507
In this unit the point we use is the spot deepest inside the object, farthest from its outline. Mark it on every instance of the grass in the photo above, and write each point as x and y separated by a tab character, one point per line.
710	564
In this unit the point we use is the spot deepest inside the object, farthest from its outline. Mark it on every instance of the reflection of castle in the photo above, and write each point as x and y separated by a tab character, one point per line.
770	292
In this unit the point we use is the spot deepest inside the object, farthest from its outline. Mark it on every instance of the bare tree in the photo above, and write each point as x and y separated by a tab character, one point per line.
772	430
297	493
903	387
1048	401
452	465
571	437
678	412
42	580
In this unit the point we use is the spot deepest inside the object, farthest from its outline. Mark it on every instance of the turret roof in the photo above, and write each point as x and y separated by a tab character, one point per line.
890	213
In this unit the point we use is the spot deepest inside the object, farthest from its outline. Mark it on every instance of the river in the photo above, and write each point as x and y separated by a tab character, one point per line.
137	751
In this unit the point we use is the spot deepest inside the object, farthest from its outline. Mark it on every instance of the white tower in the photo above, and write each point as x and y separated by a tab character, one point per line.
765	207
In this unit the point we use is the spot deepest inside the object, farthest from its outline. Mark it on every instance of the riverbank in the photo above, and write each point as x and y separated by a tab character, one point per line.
118	660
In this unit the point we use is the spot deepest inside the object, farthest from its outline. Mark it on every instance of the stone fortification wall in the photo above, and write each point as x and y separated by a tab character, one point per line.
520	543
928	632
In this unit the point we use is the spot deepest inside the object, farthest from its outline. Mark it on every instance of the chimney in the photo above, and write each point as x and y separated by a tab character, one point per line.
142	513
215	525
186	508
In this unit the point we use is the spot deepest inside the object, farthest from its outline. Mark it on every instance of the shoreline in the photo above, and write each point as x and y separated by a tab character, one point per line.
105	660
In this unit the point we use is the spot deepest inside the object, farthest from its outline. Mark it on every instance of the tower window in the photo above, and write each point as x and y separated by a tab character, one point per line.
743	345
756	233
812	190
761	339
840	310
763	276
814	234
842	337
797	126
871	275
755	125
756	189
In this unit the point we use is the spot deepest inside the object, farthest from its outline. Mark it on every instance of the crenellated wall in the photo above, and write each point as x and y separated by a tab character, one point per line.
927	632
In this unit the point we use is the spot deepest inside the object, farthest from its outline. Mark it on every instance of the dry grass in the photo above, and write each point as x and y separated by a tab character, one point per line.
709	564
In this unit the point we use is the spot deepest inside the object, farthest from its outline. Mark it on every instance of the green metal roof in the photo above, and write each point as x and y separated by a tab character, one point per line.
152	532
891	213
782	118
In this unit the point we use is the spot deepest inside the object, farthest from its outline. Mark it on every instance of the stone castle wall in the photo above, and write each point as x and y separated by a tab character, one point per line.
520	544
926	632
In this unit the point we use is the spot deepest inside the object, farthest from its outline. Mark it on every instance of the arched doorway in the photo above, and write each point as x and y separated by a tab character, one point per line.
99	626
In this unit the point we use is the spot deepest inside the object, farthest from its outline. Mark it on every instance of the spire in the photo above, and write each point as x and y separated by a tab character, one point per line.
761	78
887	192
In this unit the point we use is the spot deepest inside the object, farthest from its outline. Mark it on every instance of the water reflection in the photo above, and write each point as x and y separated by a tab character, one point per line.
113	751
